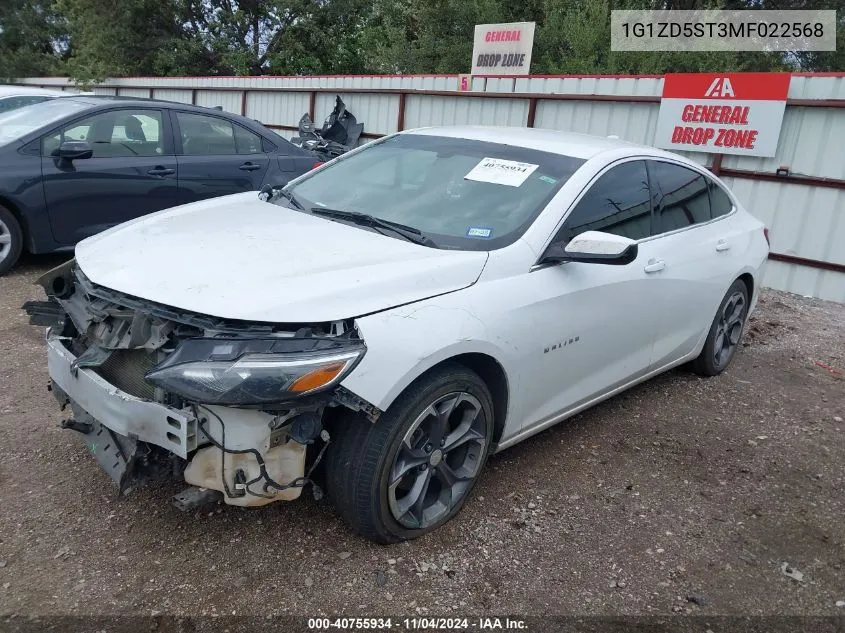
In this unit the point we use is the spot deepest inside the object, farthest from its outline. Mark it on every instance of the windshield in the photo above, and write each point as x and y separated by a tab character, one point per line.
463	194
20	122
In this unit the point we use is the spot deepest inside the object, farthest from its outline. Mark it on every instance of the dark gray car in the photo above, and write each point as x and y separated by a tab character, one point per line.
72	167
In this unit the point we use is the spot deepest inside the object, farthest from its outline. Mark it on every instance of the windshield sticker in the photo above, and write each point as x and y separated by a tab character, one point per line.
548	179
501	172
479	231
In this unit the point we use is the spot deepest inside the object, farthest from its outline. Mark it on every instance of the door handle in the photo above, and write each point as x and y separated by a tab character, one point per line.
654	265
722	245
161	171
249	167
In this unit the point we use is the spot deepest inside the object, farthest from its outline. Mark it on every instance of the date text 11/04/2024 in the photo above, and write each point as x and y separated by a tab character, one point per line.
418	624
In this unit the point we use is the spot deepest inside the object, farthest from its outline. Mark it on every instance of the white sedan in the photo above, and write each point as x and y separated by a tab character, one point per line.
396	316
14	97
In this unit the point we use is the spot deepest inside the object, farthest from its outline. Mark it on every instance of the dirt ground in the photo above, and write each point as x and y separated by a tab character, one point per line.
684	495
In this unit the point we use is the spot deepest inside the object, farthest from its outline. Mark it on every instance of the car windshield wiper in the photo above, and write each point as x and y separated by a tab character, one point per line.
408	232
270	192
287	195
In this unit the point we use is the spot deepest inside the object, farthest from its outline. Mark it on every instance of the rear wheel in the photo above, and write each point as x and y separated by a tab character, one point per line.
725	332
412	471
11	240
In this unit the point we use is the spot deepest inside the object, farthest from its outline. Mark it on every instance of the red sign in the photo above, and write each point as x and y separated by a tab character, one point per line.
726	113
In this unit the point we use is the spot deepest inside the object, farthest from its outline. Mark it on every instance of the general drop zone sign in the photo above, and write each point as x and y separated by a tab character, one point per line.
502	49
728	113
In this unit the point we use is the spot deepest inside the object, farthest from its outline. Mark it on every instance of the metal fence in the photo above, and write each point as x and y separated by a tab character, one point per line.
805	210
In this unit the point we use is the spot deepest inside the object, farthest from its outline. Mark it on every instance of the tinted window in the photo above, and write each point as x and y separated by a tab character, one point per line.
247	142
618	203
206	135
679	197
12	103
462	193
720	203
114	134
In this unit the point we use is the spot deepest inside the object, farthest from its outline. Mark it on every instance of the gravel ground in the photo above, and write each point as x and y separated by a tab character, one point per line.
684	495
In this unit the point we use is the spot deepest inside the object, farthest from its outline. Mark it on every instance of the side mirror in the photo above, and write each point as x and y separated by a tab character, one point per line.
74	150
593	247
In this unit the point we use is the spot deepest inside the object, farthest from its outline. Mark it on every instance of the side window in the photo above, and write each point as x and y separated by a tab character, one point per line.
618	203
680	196
137	127
206	135
247	142
720	203
114	134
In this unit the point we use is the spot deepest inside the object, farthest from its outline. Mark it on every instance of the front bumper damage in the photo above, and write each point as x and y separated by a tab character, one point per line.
138	432
171	429
116	426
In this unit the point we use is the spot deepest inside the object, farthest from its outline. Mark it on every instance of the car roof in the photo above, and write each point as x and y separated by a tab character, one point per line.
111	101
554	141
17	90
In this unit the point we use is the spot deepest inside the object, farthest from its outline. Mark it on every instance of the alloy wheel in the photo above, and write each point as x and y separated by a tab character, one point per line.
437	461
729	329
5	241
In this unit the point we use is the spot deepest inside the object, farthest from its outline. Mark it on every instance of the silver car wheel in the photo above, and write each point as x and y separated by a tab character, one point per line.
440	456
5	241
729	329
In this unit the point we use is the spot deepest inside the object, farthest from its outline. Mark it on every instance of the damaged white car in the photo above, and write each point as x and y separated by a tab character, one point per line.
382	324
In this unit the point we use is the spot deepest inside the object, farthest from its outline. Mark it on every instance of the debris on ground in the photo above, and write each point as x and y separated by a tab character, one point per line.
339	134
787	570
381	578
829	368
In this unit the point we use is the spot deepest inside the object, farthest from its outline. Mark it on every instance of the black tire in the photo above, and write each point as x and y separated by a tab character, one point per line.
362	455
725	333
11	240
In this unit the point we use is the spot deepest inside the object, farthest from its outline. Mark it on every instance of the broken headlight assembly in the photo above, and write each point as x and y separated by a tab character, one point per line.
243	372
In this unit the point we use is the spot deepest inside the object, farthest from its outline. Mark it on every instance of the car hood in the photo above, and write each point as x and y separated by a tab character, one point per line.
237	257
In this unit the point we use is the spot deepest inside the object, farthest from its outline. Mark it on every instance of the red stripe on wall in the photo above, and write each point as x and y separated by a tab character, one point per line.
745	86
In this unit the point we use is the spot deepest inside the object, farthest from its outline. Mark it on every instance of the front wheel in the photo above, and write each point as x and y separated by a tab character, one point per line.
725	332
412	470
11	240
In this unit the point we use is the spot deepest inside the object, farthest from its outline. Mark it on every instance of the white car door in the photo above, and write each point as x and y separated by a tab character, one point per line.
691	256
595	323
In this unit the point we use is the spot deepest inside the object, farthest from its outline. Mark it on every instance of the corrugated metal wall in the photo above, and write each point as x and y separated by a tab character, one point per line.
807	220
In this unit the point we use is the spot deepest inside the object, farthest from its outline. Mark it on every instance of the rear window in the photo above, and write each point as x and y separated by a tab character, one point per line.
720	203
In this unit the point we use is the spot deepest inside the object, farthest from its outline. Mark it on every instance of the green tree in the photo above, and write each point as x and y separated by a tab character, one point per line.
128	37
32	41
572	36
207	37
93	39
575	38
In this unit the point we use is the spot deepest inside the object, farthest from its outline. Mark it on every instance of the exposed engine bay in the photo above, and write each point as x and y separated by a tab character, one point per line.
237	409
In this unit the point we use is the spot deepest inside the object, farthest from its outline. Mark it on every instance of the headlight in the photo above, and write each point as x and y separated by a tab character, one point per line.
255	371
